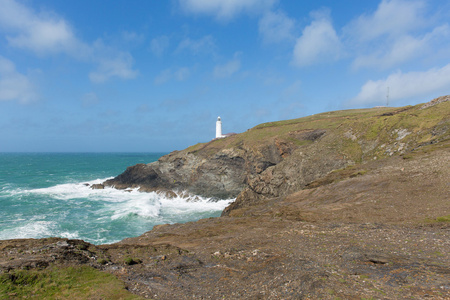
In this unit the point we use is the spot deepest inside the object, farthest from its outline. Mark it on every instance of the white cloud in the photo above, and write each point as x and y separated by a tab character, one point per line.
397	32
46	33
392	18
204	45
319	42
46	37
14	85
276	27
403	49
225	10
159	45
111	63
404	85
42	34
166	75
118	66
229	68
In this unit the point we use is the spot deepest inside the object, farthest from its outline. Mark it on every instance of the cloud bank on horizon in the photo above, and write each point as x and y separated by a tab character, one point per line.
79	75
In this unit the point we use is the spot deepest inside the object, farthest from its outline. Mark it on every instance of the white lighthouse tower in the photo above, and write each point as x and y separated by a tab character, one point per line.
219	128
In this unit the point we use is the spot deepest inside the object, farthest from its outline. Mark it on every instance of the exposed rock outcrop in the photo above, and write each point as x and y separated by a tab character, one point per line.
436	101
280	158
221	176
270	169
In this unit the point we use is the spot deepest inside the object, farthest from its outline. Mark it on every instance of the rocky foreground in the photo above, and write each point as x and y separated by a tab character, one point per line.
342	205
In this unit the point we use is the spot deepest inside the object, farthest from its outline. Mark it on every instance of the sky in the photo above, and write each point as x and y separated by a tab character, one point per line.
153	76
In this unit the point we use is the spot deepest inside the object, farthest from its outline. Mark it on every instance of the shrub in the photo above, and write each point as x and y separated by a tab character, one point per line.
131	261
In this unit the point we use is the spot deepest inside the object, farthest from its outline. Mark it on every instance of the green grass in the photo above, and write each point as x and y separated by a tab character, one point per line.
443	219
62	283
372	127
132	261
358	173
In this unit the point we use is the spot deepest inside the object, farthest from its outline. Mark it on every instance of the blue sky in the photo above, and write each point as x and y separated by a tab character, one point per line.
153	76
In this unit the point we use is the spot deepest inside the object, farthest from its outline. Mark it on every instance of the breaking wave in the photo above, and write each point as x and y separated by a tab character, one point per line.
75	210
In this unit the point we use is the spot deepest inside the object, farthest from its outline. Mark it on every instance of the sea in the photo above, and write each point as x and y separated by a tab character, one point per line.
48	195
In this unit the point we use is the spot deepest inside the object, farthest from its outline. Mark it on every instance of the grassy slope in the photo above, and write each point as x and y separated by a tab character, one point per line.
375	126
62	283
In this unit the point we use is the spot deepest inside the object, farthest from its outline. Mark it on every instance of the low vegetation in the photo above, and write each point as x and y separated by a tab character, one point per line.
442	219
359	133
62	283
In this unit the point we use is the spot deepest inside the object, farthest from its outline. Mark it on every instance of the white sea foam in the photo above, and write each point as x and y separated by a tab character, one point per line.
134	203
70	190
32	229
37	229
192	203
95	209
61	191
123	203
69	235
156	205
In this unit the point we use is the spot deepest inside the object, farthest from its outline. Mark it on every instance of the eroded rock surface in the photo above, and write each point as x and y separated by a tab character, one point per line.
280	158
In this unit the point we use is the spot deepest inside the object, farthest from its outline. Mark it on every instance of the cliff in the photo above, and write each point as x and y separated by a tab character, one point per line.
279	158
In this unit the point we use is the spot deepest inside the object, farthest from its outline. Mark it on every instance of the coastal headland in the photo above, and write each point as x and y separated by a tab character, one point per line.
350	204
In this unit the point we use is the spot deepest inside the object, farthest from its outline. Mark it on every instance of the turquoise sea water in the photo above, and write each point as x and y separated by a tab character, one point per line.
45	194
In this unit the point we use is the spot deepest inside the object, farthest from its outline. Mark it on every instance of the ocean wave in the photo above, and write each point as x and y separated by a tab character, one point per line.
69	190
32	229
64	190
159	206
75	210
131	201
37	229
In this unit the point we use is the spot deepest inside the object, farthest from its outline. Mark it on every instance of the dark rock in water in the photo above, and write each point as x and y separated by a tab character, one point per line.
138	175
98	186
223	176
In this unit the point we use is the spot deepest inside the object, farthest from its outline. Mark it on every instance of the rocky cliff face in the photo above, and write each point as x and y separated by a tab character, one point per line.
280	158
270	168
220	176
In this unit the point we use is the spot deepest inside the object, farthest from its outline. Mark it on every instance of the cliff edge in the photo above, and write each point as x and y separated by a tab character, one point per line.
280	158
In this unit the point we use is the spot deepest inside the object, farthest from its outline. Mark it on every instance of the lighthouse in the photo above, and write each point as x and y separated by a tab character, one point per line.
219	128
219	134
